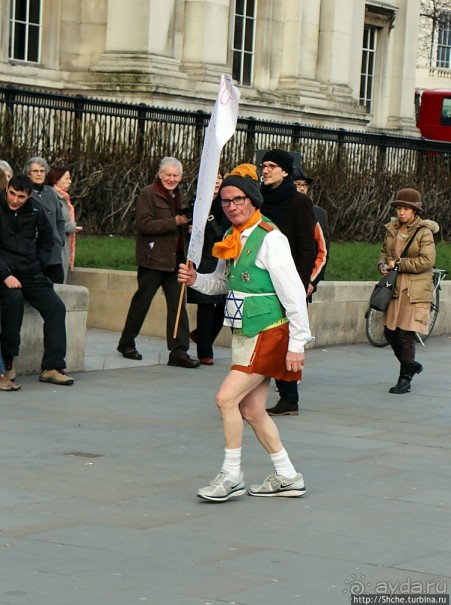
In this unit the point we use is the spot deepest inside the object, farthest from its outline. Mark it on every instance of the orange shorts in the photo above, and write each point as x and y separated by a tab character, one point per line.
265	354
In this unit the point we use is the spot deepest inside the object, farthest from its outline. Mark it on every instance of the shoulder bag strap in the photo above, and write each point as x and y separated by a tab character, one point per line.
406	249
211	219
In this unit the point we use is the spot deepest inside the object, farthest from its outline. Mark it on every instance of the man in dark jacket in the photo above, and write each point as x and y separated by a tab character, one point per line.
322	234
26	241
161	245
293	213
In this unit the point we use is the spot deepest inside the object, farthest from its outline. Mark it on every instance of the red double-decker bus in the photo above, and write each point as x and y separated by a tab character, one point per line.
433	113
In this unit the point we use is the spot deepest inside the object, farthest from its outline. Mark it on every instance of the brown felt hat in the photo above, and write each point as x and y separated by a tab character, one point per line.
410	198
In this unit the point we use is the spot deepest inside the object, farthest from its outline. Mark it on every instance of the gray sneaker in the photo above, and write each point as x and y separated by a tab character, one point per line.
278	485
222	488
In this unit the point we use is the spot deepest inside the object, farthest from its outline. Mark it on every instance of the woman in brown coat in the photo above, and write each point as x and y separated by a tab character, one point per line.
409	308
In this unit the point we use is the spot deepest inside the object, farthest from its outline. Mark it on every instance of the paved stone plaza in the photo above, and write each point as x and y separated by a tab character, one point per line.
98	503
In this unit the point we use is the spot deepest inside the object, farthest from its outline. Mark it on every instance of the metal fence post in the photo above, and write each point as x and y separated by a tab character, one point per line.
250	137
340	144
296	137
142	114
10	97
200	133
382	152
79	105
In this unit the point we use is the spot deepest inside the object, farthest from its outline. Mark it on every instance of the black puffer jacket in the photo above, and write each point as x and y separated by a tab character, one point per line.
26	239
217	224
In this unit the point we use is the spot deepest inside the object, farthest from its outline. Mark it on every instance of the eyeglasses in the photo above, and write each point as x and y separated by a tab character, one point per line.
301	184
238	201
269	167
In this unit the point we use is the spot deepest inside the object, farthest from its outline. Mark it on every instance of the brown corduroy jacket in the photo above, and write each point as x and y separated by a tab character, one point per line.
157	236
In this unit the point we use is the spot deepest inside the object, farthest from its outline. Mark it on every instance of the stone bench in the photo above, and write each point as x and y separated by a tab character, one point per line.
337	314
76	299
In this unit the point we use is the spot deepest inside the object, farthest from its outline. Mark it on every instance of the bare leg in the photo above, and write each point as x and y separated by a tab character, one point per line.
233	390
253	410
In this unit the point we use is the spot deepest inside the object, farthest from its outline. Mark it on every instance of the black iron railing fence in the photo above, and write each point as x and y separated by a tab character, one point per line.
113	150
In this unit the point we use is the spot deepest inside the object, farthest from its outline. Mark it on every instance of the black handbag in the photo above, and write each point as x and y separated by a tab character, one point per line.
383	291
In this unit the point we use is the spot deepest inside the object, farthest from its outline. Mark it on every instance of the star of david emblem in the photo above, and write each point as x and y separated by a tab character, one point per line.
234	310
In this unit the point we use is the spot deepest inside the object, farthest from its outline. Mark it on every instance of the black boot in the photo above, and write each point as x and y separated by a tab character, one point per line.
413	368
403	384
284	408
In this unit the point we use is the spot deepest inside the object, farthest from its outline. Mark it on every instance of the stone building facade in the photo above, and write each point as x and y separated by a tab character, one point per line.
434	45
338	63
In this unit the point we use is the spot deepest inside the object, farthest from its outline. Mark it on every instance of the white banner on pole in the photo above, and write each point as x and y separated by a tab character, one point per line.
220	129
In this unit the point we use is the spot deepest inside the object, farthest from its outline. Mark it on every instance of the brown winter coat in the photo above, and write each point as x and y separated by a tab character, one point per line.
157	232
420	258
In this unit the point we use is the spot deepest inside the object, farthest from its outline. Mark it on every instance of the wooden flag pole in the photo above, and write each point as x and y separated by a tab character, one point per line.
179	309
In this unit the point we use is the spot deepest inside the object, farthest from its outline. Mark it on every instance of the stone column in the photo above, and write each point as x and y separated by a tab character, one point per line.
205	42
300	48
336	44
403	69
300	39
128	26
139	32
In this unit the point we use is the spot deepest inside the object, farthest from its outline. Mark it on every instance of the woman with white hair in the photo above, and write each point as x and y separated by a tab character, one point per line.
6	169
36	169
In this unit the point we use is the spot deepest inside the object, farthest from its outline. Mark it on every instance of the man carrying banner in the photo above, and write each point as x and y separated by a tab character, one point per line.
267	312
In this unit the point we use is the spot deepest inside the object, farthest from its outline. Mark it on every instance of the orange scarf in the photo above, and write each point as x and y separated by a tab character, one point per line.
230	246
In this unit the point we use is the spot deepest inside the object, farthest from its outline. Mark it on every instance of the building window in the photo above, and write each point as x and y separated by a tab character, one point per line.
444	41
367	73
243	41
25	30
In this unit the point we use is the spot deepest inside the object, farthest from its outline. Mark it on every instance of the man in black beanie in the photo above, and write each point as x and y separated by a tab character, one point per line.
293	213
267	311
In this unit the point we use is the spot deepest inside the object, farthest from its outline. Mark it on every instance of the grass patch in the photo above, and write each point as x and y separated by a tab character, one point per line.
349	261
106	252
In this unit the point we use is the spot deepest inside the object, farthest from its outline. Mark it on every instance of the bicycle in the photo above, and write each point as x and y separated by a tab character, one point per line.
375	319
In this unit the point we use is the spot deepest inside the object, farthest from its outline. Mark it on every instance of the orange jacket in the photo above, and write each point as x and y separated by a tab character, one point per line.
322	241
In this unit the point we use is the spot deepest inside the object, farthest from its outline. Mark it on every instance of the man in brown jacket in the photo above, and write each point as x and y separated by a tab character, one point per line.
161	244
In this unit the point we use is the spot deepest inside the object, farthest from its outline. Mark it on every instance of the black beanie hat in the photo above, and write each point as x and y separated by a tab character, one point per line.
247	186
281	158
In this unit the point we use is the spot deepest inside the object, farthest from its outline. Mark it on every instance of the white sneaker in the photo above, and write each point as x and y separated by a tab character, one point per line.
278	485
222	488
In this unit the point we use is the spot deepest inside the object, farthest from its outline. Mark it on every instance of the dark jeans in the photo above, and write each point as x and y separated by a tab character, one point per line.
210	319
55	273
149	280
38	291
288	390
